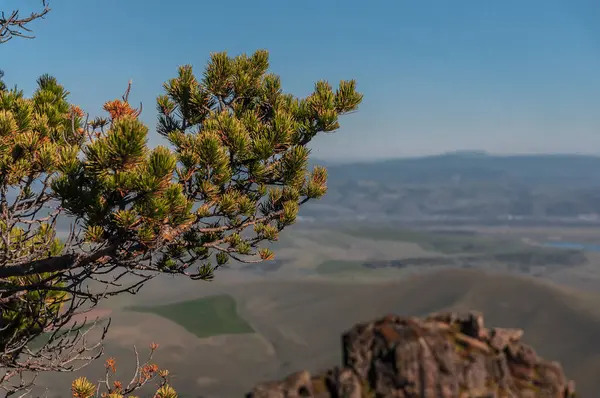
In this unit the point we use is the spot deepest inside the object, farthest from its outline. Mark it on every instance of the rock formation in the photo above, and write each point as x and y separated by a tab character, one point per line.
442	356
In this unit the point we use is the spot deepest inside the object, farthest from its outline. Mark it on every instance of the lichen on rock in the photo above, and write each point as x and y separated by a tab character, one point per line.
444	355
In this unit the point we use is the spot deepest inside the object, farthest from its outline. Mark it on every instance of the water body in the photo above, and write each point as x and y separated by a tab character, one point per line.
588	247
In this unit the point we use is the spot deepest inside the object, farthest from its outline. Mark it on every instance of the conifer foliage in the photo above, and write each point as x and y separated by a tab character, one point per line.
232	174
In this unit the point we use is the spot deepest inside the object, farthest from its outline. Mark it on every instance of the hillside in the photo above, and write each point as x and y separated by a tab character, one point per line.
458	188
464	187
297	325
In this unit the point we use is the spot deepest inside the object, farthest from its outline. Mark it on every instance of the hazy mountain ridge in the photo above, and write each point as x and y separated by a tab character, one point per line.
477	186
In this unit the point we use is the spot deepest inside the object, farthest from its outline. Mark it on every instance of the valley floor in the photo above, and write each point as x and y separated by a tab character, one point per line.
296	313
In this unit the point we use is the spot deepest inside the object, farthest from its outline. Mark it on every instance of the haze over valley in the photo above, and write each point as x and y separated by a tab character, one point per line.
465	187
263	321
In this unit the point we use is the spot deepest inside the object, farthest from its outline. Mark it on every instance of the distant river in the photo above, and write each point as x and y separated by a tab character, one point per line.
589	247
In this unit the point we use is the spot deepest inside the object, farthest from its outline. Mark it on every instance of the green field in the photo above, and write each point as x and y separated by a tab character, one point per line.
341	266
445	243
203	317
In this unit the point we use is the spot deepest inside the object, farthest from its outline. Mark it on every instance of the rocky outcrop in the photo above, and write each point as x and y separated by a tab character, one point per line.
442	356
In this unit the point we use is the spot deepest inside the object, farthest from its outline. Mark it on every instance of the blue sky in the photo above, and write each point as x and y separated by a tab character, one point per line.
508	76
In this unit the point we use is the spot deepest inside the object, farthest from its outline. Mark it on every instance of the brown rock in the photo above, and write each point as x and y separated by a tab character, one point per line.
445	355
298	384
500	338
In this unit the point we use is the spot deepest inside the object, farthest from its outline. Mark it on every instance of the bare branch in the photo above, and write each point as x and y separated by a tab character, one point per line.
13	25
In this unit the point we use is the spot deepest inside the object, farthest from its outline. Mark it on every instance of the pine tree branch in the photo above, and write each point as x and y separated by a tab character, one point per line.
59	263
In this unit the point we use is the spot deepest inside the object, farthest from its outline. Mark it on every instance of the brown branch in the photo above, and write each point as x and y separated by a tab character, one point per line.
15	26
58	263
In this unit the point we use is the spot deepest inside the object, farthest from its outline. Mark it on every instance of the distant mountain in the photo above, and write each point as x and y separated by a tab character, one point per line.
552	169
472	185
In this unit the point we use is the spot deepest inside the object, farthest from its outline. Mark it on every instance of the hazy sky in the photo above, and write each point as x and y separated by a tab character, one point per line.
502	76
